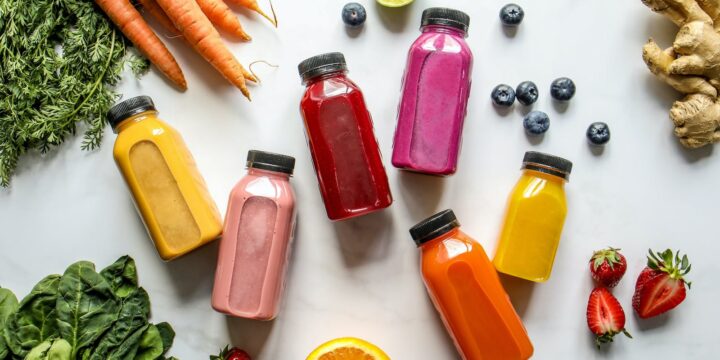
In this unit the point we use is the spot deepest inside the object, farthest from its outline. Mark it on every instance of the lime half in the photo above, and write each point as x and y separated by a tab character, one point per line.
394	3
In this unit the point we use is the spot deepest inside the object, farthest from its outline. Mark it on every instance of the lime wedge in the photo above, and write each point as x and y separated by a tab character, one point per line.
394	3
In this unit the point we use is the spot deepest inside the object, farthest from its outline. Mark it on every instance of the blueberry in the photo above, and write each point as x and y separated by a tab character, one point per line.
562	89
536	122
503	95
511	15
527	93
598	133
354	14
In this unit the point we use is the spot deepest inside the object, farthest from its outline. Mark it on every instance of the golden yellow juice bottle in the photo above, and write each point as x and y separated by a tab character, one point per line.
535	217
167	188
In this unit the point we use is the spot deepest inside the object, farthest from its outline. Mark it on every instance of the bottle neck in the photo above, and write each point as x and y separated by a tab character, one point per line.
539	173
325	76
444	29
268	173
433	242
134	120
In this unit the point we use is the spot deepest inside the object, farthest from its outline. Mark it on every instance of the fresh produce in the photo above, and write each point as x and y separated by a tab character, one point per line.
253	5
231	354
536	122
598	133
503	95
354	14
347	349
202	36
43	94
605	316
83	314
221	16
129	20
562	89
512	15
691	66
661	285
394	3
152	7
608	266
527	93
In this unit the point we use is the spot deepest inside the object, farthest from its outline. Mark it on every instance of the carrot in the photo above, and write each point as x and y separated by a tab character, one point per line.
221	15
200	33
156	12
253	5
128	19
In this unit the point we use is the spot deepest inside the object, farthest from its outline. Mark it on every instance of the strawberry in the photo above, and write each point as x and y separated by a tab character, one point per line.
661	285
605	316
608	266
231	354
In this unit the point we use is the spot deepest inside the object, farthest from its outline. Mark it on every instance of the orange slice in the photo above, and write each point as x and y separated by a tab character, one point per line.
348	349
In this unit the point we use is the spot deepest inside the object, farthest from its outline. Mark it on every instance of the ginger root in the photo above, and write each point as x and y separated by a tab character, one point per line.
691	66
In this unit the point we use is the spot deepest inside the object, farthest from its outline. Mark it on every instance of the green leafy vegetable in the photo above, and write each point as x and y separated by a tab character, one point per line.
59	61
122	276
86	306
34	321
8	305
83	315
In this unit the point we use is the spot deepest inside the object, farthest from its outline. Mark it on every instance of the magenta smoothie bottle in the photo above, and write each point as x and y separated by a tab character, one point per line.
257	238
435	91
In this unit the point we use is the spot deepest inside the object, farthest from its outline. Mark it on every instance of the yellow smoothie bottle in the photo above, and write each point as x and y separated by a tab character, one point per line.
169	192
535	217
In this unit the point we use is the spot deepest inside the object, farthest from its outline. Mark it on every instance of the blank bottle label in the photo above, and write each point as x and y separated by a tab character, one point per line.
254	240
169	209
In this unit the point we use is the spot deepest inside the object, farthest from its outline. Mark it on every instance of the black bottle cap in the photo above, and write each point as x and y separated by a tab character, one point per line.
447	17
434	226
270	161
547	163
128	108
321	65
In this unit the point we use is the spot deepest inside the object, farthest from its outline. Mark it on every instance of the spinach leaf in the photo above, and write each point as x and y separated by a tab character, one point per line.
151	344
8	305
129	347
167	335
34	320
133	315
122	276
57	349
86	306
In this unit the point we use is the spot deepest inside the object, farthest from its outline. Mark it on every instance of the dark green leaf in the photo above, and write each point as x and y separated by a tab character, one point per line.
151	344
129	347
86	306
167	334
35	318
122	276
133	315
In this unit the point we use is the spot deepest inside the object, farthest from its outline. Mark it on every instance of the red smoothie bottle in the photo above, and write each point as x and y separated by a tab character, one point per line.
340	134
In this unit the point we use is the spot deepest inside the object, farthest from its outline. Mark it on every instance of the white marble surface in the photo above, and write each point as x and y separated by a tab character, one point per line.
361	277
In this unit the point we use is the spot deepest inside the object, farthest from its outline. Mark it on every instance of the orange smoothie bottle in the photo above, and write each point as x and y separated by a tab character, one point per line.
467	292
534	219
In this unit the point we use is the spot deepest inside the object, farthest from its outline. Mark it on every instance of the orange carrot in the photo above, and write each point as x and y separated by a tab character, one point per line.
200	33
221	15
253	5
156	12
128	19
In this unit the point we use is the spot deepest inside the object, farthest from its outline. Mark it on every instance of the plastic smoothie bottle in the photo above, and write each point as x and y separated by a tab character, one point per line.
534	219
167	187
257	238
467	292
340	135
435	92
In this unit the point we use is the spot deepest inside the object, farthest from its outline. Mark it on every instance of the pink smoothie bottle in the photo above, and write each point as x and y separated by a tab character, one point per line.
257	237
435	91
